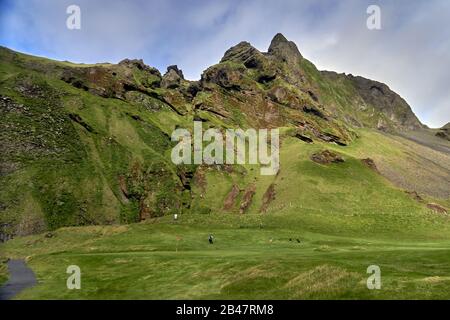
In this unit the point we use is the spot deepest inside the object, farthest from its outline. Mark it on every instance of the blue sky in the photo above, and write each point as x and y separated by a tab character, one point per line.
411	53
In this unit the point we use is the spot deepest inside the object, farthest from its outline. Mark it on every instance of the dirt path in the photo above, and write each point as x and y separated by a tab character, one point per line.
20	278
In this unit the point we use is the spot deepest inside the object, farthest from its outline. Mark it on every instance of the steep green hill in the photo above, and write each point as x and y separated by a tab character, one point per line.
361	182
90	144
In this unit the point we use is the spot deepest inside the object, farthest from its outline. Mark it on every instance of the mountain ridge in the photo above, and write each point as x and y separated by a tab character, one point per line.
89	144
288	52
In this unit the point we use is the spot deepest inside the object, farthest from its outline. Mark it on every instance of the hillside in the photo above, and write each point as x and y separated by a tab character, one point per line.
90	144
361	181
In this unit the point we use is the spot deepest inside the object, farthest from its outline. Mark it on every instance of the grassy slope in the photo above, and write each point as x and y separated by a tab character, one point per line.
346	217
145	261
50	177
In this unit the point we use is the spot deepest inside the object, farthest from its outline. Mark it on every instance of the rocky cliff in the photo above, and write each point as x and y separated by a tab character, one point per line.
89	144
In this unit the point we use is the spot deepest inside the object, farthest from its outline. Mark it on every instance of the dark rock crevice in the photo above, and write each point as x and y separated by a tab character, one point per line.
76	118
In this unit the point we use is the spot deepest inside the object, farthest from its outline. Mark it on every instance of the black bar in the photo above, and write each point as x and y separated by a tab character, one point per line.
226	309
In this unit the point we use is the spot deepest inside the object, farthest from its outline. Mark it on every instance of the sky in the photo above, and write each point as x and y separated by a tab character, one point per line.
410	53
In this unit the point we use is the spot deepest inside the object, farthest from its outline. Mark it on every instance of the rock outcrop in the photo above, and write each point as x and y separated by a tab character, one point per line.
326	157
384	108
109	126
286	50
394	107
172	78
444	132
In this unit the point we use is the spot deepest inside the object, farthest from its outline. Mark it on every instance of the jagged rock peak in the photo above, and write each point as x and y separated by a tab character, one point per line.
139	63
284	49
278	38
240	52
172	78
174	68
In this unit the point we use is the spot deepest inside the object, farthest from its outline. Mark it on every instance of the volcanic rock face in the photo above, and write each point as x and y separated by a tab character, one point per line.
444	132
289	80
386	110
286	50
139	64
326	157
110	125
172	78
244	53
225	76
388	102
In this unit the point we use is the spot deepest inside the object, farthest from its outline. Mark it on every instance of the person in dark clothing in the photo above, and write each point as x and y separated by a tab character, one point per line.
211	239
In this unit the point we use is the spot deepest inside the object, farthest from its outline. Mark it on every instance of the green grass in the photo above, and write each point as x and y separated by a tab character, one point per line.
73	176
345	216
252	258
